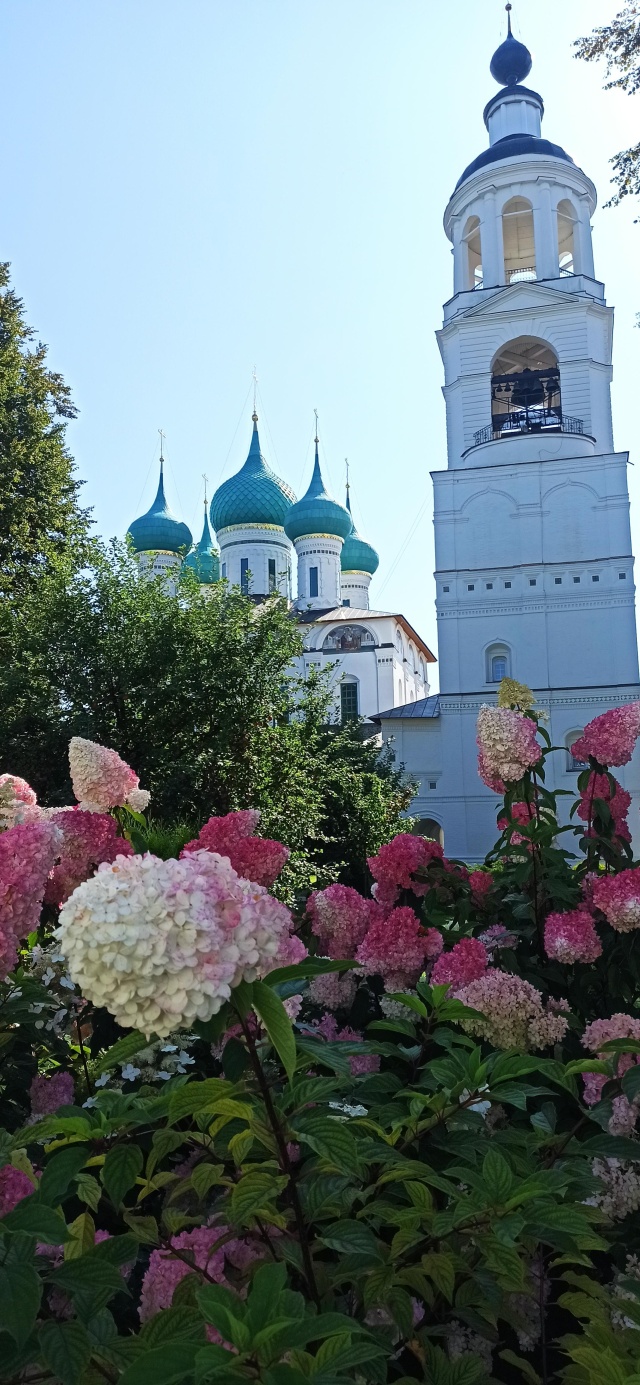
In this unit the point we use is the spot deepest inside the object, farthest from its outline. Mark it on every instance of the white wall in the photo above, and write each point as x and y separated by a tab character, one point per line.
257	543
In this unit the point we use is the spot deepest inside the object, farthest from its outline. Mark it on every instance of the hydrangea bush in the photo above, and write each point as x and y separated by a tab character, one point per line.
382	1138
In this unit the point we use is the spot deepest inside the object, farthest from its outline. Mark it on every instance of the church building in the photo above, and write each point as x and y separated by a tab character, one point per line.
534	569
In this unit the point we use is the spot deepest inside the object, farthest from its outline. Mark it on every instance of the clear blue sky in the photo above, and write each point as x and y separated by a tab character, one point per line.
194	186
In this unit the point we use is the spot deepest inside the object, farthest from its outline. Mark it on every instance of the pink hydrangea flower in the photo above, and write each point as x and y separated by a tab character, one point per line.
47	1094
497	937
27	854
359	1063
396	948
466	961
100	778
512	1012
334	990
618	897
508	744
600	1032
523	813
87	840
18	802
572	937
14	1185
610	738
255	858
166	1271
618	802
340	918
396	864
481	883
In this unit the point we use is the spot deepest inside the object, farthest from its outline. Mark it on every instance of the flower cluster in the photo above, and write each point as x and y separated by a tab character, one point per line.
47	1094
620	1195
165	1271
600	1032
18	802
88	839
610	738
507	745
515	695
617	800
334	990
481	884
359	1063
101	780
14	1185
522	813
162	943
512	1012
618	898
497	937
340	917
396	865
397	947
27	854
571	937
256	858
466	961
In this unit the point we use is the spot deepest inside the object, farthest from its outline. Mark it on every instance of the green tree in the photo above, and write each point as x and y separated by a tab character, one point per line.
618	44
39	512
195	691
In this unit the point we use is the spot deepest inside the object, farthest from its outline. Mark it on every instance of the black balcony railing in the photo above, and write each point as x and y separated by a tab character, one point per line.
533	420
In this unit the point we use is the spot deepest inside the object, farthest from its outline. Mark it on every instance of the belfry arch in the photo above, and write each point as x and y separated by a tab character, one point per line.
525	388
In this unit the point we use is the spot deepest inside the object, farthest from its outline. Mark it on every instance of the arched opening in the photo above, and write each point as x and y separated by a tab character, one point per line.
471	239
518	240
347	639
428	827
525	389
566	240
497	663
574	764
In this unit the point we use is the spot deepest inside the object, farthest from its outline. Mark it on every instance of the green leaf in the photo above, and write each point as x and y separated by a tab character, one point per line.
254	1193
496	1176
90	1281
197	1096
352	1237
269	1008
330	1139
66	1348
120	1170
60	1172
215	1363
227	1312
524	1367
82	1232
631	1082
161	1365
312	966
88	1190
206	1176
20	1294
173	1324
145	1229
119	1053
36	1219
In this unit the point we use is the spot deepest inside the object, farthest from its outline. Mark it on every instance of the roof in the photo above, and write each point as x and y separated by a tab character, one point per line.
158	528
316	512
349	614
512	146
424	707
357	555
204	559
255	495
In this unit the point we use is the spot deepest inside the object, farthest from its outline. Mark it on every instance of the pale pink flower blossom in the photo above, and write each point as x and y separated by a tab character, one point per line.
572	937
47	1094
14	1185
618	801
340	918
100	778
334	990
88	839
165	1271
18	802
618	898
27	854
600	1032
512	1012
508	744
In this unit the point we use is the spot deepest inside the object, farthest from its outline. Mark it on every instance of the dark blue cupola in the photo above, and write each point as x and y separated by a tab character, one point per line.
511	62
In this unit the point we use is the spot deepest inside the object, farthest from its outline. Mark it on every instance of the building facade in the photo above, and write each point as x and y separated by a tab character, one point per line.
534	569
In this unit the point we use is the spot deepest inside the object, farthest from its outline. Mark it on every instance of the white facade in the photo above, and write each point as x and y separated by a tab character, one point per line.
256	558
375	654
319	554
534	568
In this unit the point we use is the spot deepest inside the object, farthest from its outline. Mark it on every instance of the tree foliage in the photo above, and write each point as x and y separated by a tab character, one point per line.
39	513
618	45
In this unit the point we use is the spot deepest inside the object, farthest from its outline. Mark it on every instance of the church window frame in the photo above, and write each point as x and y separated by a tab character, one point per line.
497	662
349	699
314	581
430	828
272	575
244	576
573	764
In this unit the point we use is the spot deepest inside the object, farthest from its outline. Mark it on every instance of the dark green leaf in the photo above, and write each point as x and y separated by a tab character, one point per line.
33	1216
312	966
119	1053
174	1361
60	1172
330	1139
269	1008
120	1170
66	1348
497	1176
254	1193
145	1229
20	1294
197	1096
173	1324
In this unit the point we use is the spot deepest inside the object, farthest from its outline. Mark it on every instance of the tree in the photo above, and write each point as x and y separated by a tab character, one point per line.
618	43
39	512
195	691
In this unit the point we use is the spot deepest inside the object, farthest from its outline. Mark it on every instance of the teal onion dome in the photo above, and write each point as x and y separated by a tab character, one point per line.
204	559
317	513
159	529
255	495
357	555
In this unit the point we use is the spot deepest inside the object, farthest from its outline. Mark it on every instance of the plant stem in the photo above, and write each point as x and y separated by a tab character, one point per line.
84	1058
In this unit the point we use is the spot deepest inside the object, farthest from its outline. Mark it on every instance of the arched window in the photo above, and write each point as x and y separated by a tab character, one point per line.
525	389
498	663
349	701
574	765
518	240
471	239
428	827
566	244
348	638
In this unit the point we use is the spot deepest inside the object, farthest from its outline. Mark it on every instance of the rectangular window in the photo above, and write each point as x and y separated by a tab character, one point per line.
272	574
595	578
471	586
313	581
433	784
346	601
622	576
445	589
576	579
489	586
224	569
244	575
349	701
532	581
557	581
507	584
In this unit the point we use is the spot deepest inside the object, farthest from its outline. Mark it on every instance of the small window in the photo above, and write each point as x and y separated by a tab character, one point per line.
349	701
576	579
433	783
313	581
622	576
272	574
557	581
532	582
346	601
224	569
489	586
471	586
507	585
574	765
445	589
498	668
244	575
595	577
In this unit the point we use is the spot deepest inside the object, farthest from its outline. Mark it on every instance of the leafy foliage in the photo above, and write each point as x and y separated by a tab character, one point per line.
618	45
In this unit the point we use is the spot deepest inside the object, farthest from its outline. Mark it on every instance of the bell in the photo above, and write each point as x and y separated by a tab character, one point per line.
528	391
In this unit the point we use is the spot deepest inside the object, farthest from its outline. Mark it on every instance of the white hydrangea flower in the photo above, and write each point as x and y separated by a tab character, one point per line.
162	943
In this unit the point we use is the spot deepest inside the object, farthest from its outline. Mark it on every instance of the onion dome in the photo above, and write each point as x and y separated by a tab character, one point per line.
511	62
204	559
159	529
255	495
357	555
317	513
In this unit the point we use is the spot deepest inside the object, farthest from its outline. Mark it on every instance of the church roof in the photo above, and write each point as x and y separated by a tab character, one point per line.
357	555
510	148
317	513
255	495
158	528
423	707
204	559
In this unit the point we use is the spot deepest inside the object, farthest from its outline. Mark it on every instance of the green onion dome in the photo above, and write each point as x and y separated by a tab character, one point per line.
159	529
357	555
317	513
255	495
204	559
